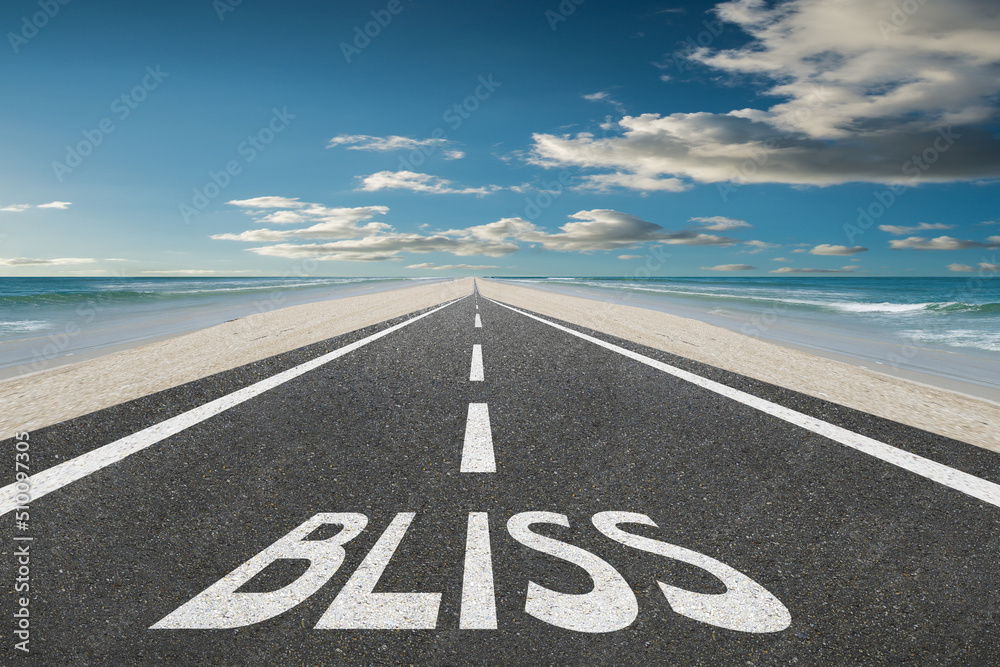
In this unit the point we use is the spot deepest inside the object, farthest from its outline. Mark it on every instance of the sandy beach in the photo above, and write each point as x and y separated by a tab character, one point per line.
45	398
938	410
48	397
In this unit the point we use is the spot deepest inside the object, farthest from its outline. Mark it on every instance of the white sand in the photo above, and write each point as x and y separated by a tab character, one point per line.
948	413
32	401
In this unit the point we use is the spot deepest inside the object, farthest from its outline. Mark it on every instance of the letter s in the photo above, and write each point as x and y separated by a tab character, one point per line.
745	606
610	606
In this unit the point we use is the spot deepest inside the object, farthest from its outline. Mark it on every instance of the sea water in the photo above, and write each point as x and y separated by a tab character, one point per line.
47	321
947	327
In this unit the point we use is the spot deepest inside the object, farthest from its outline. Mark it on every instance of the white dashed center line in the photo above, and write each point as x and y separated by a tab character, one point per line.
477	450
479	322
476	373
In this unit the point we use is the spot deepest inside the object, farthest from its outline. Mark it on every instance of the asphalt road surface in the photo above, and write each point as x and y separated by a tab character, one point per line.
478	486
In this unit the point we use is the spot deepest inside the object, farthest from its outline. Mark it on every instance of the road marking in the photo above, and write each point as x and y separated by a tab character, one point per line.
477	450
479	322
359	607
611	605
955	479
476	372
60	475
479	605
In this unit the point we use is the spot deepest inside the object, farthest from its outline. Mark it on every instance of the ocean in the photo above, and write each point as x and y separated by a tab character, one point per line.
944	327
45	322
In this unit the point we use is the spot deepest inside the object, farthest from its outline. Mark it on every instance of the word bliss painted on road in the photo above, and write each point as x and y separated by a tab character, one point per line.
611	605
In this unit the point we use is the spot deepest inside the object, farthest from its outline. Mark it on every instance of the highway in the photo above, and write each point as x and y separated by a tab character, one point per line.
474	484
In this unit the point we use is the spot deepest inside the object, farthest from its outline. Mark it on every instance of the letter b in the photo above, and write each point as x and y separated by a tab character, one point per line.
220	607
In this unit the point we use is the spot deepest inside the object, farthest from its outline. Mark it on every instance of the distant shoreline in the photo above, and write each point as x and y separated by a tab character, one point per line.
958	415
973	373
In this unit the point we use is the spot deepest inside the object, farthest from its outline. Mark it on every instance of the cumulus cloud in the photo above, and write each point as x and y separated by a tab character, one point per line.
267	202
856	104
416	182
366	142
899	230
827	249
961	268
33	261
730	267
386	246
354	237
608	182
195	272
629	256
17	208
942	243
446	267
593	230
327	223
719	223
793	269
760	246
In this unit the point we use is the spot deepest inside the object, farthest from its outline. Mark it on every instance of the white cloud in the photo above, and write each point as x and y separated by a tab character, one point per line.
449	267
827	249
629	256
855	104
604	96
897	229
267	202
32	261
607	229
608	182
386	246
328	223
792	269
416	182
17	208
587	231
780	259
366	142
989	266
942	243
196	272
961	268
730	267
594	230
760	246
719	223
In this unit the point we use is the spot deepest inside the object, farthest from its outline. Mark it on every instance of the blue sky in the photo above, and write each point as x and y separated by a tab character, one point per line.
584	137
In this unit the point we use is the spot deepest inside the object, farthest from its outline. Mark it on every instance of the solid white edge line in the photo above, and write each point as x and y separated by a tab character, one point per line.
58	476
476	369
955	479
477	448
